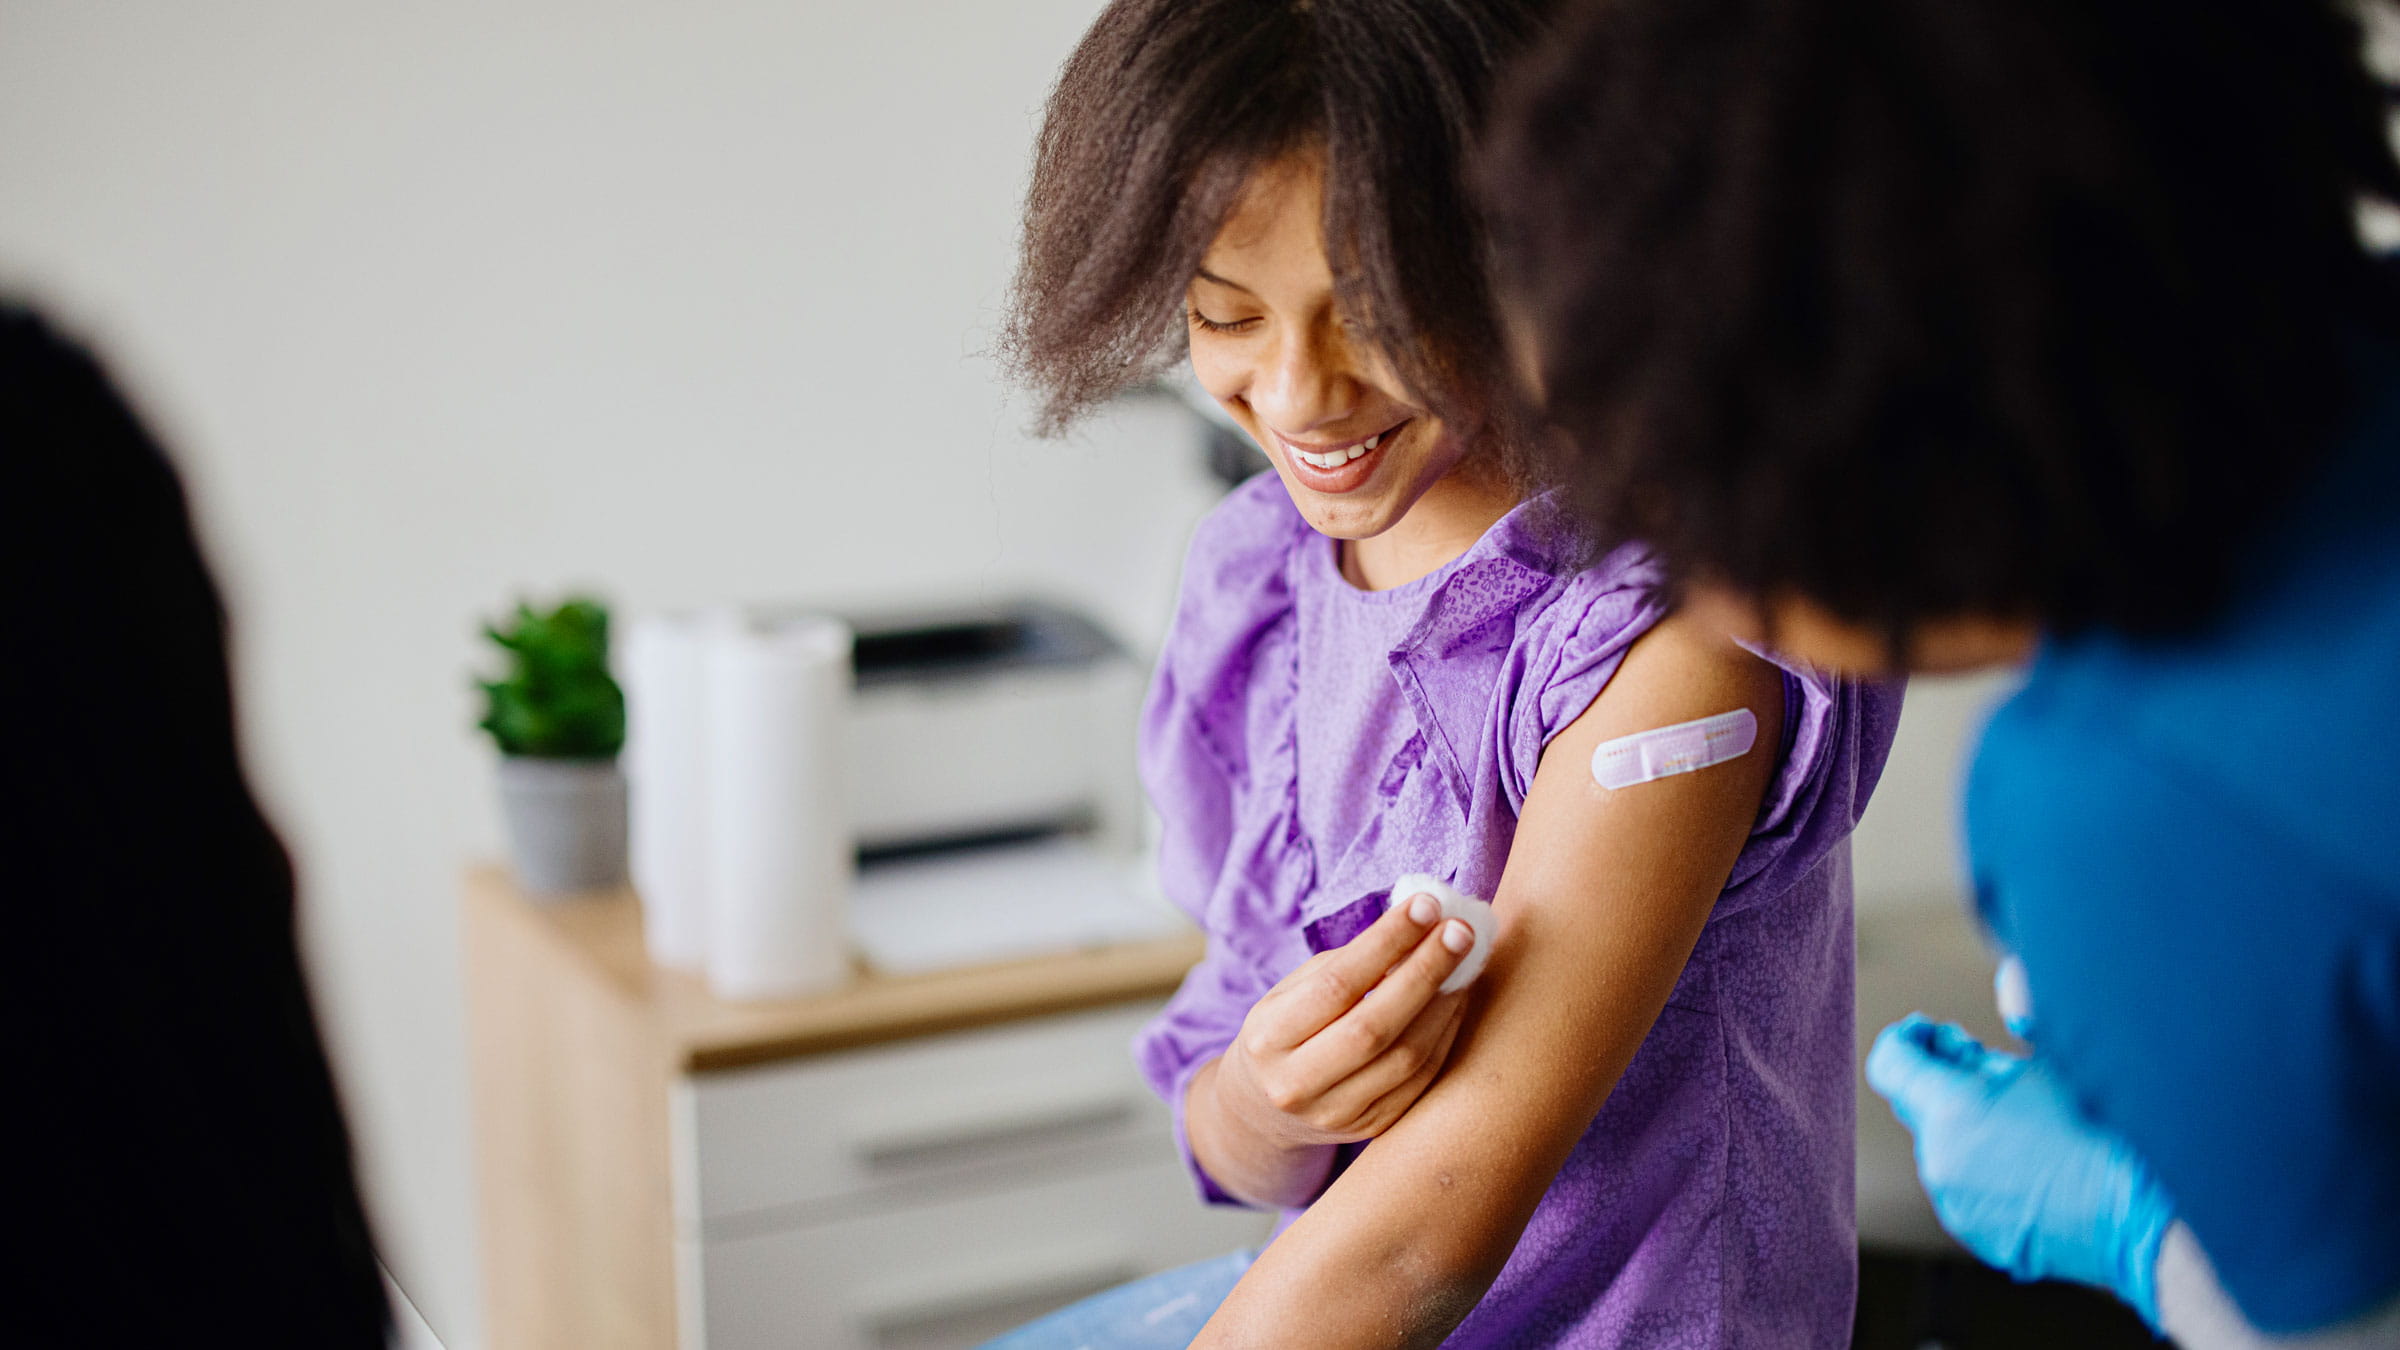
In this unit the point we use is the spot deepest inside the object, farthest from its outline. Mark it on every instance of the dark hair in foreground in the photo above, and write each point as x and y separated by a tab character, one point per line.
2023	308
186	1171
1165	109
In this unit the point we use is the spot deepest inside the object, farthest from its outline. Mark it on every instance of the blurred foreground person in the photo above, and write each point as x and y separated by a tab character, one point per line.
1942	336
185	1174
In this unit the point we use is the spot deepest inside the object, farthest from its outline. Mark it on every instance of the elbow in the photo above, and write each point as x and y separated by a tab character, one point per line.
1443	1306
1441	1279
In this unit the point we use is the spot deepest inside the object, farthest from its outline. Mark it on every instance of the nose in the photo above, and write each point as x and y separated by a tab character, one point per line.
1305	381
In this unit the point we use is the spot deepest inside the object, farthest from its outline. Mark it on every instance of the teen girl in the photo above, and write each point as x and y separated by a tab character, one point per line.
1635	1127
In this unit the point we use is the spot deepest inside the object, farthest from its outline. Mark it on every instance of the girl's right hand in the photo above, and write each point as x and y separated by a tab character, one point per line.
1319	1061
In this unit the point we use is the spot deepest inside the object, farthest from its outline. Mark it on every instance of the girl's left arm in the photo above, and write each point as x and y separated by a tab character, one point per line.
1604	896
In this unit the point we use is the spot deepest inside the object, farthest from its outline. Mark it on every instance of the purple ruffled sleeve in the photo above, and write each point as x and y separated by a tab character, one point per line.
1199	1023
1836	731
1196	752
1836	734
1571	652
1193	787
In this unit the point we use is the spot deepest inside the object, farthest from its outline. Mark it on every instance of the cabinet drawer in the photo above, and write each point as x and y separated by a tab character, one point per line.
955	1273
912	1115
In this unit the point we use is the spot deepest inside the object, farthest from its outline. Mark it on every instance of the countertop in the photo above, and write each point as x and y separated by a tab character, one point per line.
602	933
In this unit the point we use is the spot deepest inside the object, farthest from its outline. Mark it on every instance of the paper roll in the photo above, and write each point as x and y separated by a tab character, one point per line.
666	772
780	857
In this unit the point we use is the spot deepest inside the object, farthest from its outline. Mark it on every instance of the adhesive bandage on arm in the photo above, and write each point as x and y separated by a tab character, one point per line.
1665	751
1456	904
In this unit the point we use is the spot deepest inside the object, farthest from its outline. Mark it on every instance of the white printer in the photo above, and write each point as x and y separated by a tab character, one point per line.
982	724
995	802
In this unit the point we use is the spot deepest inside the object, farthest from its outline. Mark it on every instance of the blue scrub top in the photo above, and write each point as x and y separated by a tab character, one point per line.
2195	848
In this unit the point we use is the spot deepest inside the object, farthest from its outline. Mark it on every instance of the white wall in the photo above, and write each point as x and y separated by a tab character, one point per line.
440	301
1908	849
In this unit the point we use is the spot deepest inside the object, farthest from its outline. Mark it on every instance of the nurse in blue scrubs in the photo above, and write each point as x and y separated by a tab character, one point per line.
2040	332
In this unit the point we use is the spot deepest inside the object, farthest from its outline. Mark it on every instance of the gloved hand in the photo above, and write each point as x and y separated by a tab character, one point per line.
2015	1171
2013	992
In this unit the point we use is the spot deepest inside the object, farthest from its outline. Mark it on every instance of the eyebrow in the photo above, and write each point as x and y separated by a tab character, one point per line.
1205	275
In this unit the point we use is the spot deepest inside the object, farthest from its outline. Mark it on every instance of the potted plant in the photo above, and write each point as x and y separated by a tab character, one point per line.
559	720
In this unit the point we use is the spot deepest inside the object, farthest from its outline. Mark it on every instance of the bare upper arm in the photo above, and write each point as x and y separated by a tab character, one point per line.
1602	900
1604	895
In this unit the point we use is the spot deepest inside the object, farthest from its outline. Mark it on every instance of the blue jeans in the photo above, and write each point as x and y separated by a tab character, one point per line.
1161	1312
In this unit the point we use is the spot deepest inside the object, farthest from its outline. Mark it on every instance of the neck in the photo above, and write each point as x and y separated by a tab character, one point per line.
1440	526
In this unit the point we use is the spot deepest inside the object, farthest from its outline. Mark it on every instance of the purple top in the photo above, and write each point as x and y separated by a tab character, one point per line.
1356	720
1709	1204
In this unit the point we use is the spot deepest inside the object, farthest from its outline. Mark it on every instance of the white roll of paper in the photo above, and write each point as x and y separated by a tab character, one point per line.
780	856
666	777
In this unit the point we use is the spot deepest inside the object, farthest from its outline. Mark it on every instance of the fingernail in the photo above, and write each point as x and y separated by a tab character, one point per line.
1424	909
1457	937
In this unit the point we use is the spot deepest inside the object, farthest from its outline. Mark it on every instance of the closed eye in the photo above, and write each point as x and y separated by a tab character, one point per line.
1202	321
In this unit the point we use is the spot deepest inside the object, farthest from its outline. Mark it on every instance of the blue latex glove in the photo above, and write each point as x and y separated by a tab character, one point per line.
2015	1171
2013	992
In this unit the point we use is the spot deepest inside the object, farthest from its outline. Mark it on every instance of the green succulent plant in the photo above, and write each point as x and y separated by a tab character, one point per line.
556	700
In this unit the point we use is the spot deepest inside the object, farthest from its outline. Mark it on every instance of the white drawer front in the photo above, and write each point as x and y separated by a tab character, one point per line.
773	1141
953	1274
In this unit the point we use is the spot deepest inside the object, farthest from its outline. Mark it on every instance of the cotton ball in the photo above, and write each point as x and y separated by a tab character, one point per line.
1456	904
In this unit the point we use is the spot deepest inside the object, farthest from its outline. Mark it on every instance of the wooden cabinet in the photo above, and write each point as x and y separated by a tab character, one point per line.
907	1164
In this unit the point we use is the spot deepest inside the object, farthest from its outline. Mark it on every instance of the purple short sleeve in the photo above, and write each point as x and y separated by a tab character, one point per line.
1835	736
1197	1025
1832	749
1191	783
1197	749
1199	720
1569	657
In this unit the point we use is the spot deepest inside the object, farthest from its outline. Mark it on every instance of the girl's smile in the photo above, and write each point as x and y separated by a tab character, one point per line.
1336	467
1364	461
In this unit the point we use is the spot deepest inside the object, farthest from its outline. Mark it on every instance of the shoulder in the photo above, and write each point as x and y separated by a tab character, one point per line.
1249	534
1822	738
1584	622
2283	715
2075	830
1570	636
40	368
1232	611
1615	597
1678	669
2087	836
101	459
22	332
1236	576
2288	704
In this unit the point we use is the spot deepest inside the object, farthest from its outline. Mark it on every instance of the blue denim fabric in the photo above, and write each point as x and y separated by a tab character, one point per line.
1162	1312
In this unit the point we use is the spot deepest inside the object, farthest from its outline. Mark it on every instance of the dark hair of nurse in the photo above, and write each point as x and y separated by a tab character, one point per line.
1168	109
1898	318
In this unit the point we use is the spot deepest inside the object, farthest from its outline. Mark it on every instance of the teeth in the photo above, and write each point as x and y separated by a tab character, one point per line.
1334	459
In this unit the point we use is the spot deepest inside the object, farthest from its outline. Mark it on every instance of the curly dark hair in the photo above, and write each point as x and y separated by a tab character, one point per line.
2019	308
1165	110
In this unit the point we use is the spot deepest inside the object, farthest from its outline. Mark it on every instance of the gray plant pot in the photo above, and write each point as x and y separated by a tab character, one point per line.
566	822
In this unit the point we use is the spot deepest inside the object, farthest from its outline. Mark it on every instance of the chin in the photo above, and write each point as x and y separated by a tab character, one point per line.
1400	478
1339	520
1355	515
